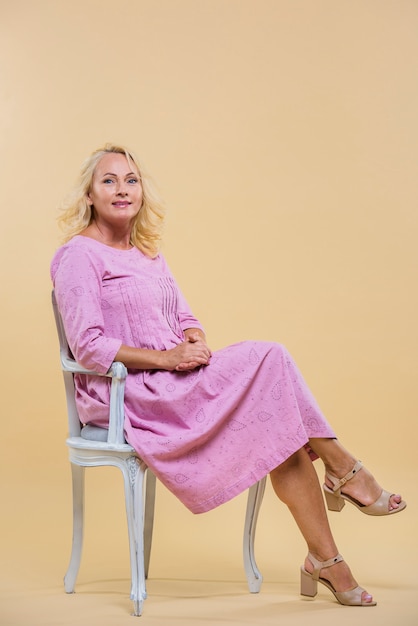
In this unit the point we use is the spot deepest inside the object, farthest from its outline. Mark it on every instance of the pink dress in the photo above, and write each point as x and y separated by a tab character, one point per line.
207	434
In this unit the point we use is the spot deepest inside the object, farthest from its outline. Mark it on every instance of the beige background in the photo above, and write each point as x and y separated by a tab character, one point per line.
283	137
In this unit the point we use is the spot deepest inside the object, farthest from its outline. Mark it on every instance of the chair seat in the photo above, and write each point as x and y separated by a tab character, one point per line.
94	433
89	444
94	437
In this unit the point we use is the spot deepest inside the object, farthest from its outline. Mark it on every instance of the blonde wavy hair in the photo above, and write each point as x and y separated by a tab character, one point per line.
77	214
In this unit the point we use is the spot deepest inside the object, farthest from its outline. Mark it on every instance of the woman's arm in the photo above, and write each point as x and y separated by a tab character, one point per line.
77	276
194	334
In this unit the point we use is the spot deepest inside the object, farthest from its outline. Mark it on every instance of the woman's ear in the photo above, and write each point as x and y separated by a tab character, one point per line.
89	200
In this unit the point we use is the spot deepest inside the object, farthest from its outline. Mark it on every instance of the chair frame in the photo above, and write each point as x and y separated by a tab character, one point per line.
139	481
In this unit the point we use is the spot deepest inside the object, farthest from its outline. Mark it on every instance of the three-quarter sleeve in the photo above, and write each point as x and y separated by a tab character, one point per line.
77	280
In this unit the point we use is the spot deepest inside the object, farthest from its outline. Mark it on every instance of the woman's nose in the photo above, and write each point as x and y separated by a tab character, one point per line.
121	189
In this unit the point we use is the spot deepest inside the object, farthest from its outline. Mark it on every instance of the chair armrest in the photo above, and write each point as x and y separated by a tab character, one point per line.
117	403
68	364
118	373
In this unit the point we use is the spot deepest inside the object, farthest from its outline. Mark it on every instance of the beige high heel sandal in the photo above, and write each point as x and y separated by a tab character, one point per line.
309	584
336	499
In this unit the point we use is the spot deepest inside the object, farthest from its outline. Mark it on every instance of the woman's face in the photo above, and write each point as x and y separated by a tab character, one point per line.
116	191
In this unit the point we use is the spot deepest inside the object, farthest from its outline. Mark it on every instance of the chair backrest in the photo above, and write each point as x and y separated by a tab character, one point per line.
74	424
117	373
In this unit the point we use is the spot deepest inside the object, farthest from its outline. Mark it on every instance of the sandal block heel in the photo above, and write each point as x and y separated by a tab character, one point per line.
334	501
308	586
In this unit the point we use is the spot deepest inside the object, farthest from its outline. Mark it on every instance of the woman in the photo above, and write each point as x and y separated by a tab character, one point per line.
209	425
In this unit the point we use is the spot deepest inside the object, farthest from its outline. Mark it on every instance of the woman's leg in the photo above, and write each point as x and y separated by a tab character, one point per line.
296	484
338	462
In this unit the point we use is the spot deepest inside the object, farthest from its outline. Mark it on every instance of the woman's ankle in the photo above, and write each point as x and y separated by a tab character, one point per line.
336	459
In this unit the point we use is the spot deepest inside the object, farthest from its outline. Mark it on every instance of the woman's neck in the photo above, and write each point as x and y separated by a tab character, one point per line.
108	236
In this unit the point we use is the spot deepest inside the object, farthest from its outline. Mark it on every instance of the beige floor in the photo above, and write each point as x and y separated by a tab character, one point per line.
198	603
196	574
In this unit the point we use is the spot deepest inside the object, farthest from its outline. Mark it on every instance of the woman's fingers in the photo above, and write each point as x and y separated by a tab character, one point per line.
189	355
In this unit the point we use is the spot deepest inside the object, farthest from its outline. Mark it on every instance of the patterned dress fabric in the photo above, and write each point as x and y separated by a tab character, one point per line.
207	434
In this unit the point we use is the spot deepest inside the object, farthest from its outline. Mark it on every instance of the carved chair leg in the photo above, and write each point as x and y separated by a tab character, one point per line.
255	498
134	472
77	473
148	518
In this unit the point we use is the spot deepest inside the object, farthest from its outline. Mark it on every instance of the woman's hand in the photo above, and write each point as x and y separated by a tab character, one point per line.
190	354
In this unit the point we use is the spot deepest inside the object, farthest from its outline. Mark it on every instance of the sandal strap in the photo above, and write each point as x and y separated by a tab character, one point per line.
318	565
339	482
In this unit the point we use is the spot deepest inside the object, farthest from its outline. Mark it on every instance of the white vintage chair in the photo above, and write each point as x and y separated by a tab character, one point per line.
91	446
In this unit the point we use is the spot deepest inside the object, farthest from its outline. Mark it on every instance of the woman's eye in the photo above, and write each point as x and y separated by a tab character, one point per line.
132	181
107	181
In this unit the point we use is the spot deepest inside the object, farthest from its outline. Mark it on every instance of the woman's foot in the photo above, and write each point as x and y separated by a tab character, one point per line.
361	487
338	578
